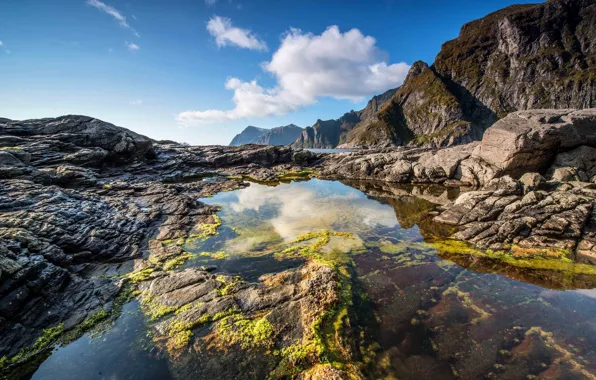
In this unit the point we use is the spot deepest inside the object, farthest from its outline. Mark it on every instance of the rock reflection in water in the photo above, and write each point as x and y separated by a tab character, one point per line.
415	312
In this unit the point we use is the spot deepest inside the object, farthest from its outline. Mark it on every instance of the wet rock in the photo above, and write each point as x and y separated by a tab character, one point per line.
538	220
565	175
82	131
303	157
83	202
285	304
531	180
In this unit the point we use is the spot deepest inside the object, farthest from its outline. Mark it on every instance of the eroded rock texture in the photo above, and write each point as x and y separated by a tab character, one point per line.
83	201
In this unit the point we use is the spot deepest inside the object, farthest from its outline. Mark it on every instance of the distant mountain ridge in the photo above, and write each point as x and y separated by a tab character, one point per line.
283	135
331	133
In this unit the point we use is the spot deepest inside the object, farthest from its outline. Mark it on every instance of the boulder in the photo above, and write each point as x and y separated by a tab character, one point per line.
527	141
565	175
303	157
531	181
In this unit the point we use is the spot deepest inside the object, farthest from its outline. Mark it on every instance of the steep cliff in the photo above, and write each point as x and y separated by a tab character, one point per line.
521	57
330	133
422	111
526	57
283	135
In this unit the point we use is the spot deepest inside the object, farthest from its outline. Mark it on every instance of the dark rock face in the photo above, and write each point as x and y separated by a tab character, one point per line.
521	57
526	57
284	135
79	131
331	133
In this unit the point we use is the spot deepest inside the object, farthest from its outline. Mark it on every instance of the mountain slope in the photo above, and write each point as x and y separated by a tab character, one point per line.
249	134
279	136
527	56
521	57
423	110
330	133
283	135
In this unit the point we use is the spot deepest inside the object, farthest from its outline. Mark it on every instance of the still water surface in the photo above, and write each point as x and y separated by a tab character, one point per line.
426	315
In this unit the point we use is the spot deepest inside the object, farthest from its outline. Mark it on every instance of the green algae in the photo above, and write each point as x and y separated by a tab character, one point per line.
57	335
180	331
206	230
228	286
153	307
219	255
532	259
334	258
47	339
176	262
140	275
248	333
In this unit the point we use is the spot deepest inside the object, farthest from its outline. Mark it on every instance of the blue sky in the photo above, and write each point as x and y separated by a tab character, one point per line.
161	67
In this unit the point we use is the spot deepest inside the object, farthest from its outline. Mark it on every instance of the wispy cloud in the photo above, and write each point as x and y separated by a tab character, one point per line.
226	34
117	15
137	102
131	46
210	2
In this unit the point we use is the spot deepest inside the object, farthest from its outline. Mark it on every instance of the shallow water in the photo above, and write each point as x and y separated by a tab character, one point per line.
423	314
330	150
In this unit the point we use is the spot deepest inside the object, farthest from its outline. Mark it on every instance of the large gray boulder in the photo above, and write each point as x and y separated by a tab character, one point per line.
527	141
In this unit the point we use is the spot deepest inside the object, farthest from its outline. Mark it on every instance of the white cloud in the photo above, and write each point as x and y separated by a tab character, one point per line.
1	43
226	34
132	47
136	102
308	66
210	2
114	13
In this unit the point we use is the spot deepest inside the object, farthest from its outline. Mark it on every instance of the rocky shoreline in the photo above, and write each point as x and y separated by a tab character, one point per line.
92	212
533	178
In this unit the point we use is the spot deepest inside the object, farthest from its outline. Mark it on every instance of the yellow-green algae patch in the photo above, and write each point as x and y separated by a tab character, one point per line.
530	258
177	261
247	332
219	255
314	250
153	307
47	339
205	230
